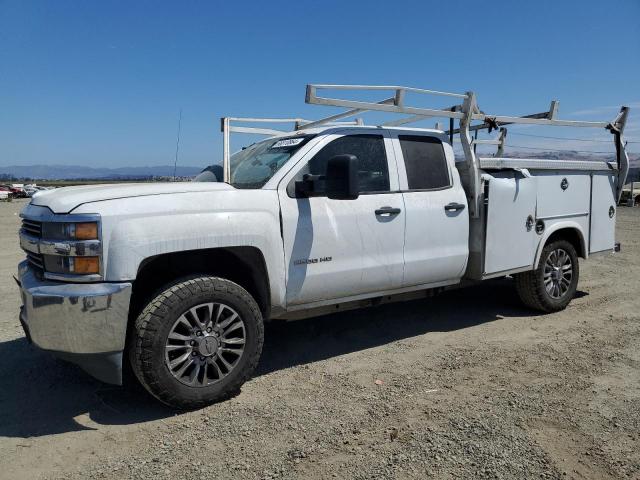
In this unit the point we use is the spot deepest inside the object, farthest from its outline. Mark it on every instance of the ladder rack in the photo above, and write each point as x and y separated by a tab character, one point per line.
465	113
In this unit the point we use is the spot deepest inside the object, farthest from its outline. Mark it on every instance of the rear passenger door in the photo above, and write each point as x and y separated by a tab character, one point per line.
437	219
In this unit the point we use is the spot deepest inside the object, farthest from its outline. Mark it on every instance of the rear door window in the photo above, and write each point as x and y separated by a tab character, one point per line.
425	162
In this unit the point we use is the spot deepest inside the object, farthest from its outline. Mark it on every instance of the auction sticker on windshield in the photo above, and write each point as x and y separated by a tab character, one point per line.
288	142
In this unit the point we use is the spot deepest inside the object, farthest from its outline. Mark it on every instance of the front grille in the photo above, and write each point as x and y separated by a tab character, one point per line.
32	227
35	260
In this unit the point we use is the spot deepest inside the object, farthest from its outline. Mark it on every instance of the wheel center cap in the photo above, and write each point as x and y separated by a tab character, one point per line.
207	346
557	274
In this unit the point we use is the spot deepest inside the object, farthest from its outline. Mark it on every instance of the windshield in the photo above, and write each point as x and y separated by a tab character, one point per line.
254	165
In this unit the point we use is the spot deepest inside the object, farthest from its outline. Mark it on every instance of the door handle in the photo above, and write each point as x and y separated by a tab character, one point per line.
388	211
454	207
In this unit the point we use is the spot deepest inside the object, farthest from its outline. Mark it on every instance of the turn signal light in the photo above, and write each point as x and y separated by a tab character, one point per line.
86	265
86	231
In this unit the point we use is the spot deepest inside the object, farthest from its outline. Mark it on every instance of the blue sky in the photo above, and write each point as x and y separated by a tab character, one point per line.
101	83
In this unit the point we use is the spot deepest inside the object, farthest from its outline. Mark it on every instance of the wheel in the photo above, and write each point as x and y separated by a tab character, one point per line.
552	285
197	342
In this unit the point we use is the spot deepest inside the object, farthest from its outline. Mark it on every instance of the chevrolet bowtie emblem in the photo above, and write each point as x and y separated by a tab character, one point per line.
62	248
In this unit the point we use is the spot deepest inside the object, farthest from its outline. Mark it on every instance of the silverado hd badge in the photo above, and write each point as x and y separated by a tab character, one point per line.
308	261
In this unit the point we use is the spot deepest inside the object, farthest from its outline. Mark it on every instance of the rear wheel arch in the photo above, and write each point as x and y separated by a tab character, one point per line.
570	233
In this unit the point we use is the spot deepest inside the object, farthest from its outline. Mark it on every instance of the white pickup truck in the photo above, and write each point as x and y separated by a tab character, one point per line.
176	280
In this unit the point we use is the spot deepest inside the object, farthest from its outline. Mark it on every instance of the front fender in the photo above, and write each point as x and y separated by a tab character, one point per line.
136	229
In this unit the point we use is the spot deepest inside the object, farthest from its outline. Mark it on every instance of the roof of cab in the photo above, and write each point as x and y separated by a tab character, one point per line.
338	128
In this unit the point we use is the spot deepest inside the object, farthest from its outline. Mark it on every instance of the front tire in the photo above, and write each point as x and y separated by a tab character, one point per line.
197	341
551	286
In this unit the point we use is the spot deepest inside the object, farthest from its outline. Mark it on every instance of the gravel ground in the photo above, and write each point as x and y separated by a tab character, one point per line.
465	385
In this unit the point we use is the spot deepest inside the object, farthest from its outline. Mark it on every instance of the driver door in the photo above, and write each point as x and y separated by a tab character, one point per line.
341	248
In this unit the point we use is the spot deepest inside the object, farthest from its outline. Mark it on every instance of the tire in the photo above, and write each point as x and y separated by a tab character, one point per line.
172	327
556	294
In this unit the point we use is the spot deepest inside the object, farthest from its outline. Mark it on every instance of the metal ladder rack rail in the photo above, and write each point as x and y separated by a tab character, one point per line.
466	114
499	141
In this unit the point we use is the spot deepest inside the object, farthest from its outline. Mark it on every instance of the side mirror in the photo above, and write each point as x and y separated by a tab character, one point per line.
342	178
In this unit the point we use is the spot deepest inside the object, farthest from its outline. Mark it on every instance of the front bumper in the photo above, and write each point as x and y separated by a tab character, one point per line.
85	324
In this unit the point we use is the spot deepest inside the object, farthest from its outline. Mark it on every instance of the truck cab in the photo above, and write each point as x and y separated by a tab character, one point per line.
402	231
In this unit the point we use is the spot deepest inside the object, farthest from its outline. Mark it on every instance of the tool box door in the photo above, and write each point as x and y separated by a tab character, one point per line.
603	213
510	230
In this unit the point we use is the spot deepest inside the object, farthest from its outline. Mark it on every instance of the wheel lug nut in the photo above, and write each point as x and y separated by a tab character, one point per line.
198	333
202	359
209	330
192	343
194	353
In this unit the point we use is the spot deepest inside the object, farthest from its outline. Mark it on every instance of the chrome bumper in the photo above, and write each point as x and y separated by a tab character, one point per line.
82	323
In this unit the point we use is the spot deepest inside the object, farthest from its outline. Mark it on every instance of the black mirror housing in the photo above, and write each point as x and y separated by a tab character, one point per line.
342	178
307	186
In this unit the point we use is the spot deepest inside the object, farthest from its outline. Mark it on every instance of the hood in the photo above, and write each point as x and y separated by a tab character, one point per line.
63	200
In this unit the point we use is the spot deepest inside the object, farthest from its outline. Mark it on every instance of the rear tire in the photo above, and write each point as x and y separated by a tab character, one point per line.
551	286
197	342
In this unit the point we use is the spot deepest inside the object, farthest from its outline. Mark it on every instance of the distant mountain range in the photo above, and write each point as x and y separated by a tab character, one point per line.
74	172
70	172
634	159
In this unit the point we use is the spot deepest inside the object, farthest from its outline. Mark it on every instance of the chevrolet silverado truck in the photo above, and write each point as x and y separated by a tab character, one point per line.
175	281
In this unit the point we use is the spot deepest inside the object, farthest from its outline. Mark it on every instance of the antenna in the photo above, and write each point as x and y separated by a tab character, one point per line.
175	163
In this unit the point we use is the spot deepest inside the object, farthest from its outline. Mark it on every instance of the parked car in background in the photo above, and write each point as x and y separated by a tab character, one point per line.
17	189
631	191
6	192
31	190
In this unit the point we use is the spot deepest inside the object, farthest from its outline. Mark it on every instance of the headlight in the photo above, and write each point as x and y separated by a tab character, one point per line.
70	231
72	265
64	249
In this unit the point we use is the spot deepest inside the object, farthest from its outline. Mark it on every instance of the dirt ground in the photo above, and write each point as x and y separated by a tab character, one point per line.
465	385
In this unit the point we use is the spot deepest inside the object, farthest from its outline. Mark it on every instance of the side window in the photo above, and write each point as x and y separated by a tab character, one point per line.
373	172
425	162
